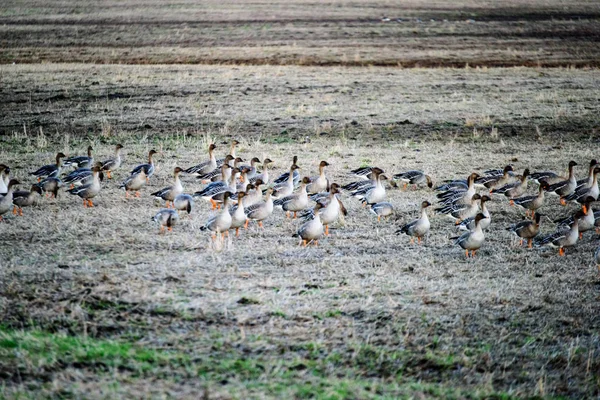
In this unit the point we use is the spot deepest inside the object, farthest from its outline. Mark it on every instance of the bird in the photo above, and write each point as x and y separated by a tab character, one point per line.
234	144
264	175
134	183
413	177
25	198
586	222
216	187
562	237
588	181
319	183
80	176
6	201
514	189
565	187
531	203
549	177
286	187
373	193
147	167
89	191
183	202
312	230
492	179
527	229
419	227
459	212
252	170
206	166
166	218
382	209
296	201
238	214
468	224
260	211
50	169
221	221
81	161
284	177
216	174
168	194
4	178
361	184
50	186
364	172
472	240
459	196
112	164
584	191
253	193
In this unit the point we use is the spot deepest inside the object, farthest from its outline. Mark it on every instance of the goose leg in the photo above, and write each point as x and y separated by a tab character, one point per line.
467	253
15	210
326	230
530	243
237	232
561	252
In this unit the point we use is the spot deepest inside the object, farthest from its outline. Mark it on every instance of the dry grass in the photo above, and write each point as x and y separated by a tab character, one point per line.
95	303
302	32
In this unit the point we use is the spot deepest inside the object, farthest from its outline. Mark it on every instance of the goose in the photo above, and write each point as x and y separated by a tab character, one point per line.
221	161
220	222
472	240
253	193
562	237
231	187
252	170
238	214
585	191
50	186
89	191
589	181
468	224
527	229
81	161
586	221
148	167
216	174
492	180
6	201
459	196
183	202
4	178
382	209
24	198
216	187
285	188
206	166
166	218
78	177
459	212
547	176
565	187
283	178
413	177
312	230
364	172
531	203
295	202
260	211
419	227
319	183
369	181
264	176
372	194
112	164
134	183
50	169
168	194
515	189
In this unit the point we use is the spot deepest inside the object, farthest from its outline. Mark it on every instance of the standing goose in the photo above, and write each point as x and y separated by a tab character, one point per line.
81	161
220	222
284	177
585	191
166	218
253	193
364	172
562	237
413	177
260	211
148	167
368	181
469	223
206	166
372	194
264	176
221	161
112	164
589	181
183	202
515	189
168	194
459	196
216	187
252	170
382	209
134	183
332	207
472	240
218	198
312	230
586	221
319	183
216	173
459	212
24	198
6	201
295	202
81	176
89	191
566	187
531	203
50	169
287	187
527	229
4	178
547	176
50	186
238	214
419	227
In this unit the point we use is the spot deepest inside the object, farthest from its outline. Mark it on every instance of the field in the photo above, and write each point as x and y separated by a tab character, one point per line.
94	303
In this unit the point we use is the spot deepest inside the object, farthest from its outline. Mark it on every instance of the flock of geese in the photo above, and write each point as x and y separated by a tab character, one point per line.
244	193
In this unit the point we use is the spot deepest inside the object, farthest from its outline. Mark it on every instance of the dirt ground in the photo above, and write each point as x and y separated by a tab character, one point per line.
96	304
303	32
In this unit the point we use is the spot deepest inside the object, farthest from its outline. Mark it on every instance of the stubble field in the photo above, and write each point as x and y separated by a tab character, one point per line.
94	303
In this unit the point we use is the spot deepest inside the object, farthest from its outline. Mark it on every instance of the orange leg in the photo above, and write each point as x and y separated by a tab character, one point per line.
39	179
72	186
405	186
261	224
246	224
226	233
170	228
214	237
304	242
214	204
412	240
419	239
162	229
126	194
295	214
457	222
473	252
563	202
521	242
108	174
85	203
1	217
138	194
467	253
379	218
237	232
316	243
511	202
580	235
147	180
20	212
326	230
15	210
561	252
530	243
91	204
